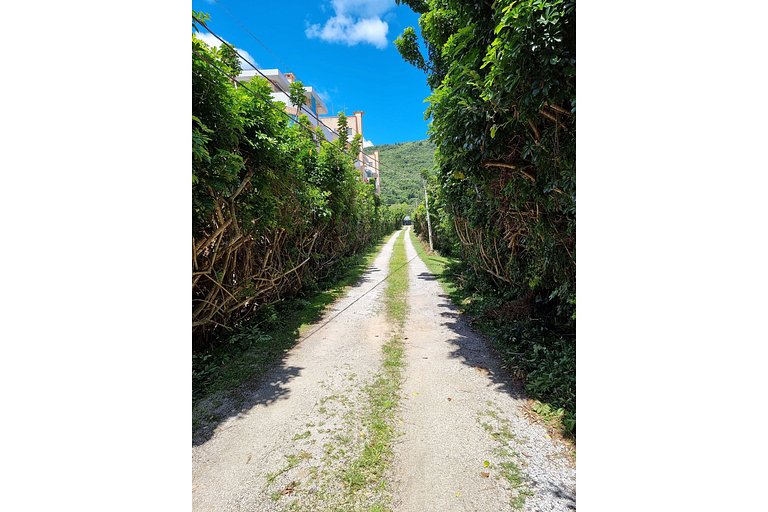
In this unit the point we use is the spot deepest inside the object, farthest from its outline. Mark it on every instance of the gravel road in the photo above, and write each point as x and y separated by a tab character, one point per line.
243	465
464	442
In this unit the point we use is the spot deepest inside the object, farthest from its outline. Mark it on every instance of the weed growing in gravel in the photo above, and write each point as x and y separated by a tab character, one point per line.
498	428
292	461
529	349
252	348
367	471
302	436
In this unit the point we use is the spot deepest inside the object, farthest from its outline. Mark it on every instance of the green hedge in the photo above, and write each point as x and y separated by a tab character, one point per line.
274	206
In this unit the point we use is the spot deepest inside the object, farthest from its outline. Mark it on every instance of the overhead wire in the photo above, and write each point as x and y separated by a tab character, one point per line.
277	109
301	108
360	297
246	30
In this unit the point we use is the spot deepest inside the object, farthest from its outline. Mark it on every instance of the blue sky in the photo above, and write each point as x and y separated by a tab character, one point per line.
342	48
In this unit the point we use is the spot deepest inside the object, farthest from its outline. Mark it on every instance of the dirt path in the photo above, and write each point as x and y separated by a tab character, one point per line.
301	423
464	443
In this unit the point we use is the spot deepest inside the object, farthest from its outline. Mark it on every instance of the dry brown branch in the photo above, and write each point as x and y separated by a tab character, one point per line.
509	166
552	118
194	257
558	109
207	242
536	133
242	186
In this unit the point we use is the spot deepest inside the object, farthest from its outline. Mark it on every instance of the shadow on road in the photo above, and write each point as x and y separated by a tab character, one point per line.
271	385
264	391
473	350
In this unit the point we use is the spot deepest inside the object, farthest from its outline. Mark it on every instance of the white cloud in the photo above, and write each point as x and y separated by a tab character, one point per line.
367	143
355	21
213	41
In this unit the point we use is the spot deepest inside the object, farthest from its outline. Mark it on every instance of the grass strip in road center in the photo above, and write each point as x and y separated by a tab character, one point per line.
368	470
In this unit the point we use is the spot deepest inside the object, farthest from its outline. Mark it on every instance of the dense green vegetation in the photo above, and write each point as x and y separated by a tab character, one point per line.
503	109
400	168
276	209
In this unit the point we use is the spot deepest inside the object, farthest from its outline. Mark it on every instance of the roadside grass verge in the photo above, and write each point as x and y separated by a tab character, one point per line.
437	265
367	471
253	348
542	359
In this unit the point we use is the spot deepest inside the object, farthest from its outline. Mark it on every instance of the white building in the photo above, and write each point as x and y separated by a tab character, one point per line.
314	108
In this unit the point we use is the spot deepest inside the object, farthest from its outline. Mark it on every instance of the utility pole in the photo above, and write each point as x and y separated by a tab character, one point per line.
429	224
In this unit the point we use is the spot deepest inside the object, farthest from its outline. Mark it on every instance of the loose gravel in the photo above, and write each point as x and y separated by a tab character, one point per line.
302	426
466	444
464	441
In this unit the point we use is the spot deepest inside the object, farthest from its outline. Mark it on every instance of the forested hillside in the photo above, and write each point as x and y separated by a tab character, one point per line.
400	168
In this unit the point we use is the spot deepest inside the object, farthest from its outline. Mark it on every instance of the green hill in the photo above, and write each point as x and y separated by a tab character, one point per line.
400	168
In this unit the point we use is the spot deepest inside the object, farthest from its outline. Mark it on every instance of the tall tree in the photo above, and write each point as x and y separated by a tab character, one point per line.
297	95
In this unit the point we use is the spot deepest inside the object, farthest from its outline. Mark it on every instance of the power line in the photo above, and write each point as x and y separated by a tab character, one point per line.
236	20
278	109
360	297
300	108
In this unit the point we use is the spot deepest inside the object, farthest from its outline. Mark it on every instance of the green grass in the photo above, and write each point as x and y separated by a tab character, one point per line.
253	349
500	431
303	435
549	414
397	285
291	462
435	263
367	471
